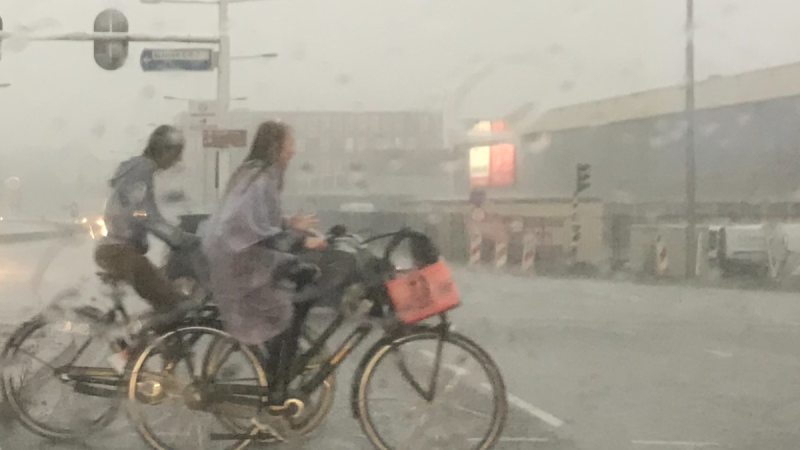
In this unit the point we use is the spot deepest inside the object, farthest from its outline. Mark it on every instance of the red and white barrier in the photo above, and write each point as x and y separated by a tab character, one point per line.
475	245
662	260
500	231
528	251
500	252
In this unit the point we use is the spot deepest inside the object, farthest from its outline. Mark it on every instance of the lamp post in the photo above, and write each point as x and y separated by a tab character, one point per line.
691	174
224	59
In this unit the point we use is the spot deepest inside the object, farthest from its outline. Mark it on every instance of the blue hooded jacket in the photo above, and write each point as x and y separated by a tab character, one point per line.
131	211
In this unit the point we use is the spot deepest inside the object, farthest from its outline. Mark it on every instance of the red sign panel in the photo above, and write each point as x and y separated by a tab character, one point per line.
501	165
492	165
498	125
224	138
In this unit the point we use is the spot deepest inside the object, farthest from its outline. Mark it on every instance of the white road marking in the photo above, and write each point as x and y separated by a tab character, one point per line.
689	444
514	439
540	414
720	353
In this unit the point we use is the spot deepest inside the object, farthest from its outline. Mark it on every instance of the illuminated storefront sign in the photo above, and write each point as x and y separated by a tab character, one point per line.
492	166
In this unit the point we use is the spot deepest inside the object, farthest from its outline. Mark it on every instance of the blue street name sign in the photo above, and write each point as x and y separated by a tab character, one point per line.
187	59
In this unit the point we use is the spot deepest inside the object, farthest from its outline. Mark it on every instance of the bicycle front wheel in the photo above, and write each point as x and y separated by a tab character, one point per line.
439	392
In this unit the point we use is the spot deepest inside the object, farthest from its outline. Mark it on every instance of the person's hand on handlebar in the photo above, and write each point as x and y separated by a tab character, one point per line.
303	222
315	242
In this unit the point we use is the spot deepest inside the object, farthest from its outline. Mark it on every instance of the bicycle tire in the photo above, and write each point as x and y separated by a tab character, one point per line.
496	382
132	381
12	345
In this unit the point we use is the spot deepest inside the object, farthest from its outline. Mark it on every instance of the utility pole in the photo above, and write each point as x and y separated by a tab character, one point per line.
224	62
691	173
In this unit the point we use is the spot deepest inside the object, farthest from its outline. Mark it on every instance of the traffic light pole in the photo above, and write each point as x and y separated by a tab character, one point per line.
109	37
576	232
582	176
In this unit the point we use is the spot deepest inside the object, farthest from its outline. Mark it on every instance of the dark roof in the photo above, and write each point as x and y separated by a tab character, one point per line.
714	92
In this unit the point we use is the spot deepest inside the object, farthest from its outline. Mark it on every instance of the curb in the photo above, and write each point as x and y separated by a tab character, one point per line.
19	238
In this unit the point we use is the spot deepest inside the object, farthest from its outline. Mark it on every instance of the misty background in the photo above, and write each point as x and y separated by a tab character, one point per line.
66	120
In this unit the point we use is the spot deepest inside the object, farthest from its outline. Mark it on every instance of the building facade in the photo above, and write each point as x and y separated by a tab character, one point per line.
344	152
747	139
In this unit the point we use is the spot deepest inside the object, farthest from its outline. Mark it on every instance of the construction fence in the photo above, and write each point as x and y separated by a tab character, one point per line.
511	242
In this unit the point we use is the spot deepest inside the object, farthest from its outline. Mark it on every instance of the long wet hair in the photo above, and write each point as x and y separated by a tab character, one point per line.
265	152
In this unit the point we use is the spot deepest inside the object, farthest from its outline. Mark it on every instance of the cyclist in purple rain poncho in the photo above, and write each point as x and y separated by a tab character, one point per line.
247	240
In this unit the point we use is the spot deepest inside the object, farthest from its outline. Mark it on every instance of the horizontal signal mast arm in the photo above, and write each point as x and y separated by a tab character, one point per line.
98	36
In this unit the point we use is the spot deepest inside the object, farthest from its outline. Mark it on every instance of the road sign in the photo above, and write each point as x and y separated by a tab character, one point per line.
202	113
224	138
187	59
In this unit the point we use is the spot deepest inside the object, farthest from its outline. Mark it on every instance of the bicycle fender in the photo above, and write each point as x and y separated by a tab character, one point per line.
388	340
23	331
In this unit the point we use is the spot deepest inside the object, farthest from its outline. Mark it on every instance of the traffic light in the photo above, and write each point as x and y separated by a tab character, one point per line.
110	55
583	175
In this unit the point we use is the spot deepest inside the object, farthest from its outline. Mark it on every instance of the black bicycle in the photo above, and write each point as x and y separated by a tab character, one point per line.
78	386
396	301
74	346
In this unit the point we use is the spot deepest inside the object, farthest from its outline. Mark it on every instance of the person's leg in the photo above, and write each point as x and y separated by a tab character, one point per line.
275	357
151	284
126	262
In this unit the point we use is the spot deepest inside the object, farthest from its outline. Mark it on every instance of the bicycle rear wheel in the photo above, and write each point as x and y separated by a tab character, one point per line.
316	406
37	394
413	361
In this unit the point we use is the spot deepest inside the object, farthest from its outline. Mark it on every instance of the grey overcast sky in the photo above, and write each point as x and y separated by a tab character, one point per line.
373	54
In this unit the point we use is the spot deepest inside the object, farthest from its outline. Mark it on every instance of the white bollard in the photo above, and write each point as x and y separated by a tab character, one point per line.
475	244
501	252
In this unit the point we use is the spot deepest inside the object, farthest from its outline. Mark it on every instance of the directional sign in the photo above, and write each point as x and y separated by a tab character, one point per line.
224	138
202	113
187	59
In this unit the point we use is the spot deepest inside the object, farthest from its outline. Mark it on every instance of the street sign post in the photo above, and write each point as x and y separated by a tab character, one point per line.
224	138
185	60
203	113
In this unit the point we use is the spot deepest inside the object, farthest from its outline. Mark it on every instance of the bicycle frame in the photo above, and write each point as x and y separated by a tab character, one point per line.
295	364
87	379
254	395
